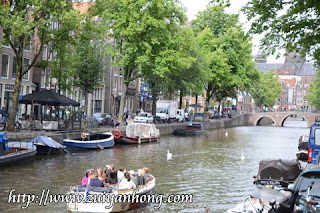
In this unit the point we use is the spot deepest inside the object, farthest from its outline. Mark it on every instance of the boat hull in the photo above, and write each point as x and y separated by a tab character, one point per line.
133	140
17	155
46	150
188	132
110	206
78	144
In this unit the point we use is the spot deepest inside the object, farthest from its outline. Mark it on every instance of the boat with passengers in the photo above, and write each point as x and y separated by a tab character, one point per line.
111	198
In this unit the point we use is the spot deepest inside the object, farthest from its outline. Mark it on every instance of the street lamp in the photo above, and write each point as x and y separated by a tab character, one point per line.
31	127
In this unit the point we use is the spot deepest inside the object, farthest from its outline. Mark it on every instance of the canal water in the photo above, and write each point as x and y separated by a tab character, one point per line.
208	167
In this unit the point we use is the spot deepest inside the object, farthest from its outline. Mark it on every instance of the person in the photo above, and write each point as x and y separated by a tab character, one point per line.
140	177
125	117
3	113
112	175
100	175
186	116
67	114
85	179
147	176
133	177
95	180
120	174
114	122
127	183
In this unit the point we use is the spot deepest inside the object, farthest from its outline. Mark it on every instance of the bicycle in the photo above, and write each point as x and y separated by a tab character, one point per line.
3	125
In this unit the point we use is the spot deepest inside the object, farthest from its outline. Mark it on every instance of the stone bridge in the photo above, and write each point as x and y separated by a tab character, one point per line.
279	118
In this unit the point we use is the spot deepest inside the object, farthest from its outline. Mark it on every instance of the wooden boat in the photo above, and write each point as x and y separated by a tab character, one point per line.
46	146
140	133
192	129
17	152
90	141
108	205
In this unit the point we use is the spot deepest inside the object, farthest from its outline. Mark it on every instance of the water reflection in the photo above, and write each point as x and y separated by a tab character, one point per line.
208	166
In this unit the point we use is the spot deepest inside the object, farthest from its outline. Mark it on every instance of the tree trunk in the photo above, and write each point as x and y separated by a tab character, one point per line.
122	100
15	97
154	101
196	109
180	102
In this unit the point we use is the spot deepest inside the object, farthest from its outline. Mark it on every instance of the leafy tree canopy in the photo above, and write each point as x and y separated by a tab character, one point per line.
286	24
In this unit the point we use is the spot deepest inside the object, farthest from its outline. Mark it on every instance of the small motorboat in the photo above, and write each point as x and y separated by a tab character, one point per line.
46	145
108	205
90	141
192	129
138	133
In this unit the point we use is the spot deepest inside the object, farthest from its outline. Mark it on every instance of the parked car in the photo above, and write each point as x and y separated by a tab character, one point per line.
143	117
102	118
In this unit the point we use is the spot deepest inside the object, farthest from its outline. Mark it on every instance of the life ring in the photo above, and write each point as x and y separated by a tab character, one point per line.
118	135
83	135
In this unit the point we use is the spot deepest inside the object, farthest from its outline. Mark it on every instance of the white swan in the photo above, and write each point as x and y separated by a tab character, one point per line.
242	156
169	155
226	133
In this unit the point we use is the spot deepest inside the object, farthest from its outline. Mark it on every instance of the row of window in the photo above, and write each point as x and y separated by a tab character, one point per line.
5	66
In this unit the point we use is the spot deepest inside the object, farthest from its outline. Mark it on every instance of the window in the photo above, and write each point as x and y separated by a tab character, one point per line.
27	89
26	62
43	78
48	73
14	67
45	53
27	45
97	106
5	66
115	85
317	137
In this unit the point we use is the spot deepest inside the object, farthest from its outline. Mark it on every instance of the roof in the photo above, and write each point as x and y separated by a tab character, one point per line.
306	70
82	7
289	82
48	97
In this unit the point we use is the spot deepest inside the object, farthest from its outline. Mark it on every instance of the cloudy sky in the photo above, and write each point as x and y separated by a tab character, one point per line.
194	6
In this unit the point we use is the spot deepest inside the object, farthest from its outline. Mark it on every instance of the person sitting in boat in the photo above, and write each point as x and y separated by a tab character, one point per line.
140	177
85	179
133	177
112	175
147	176
127	183
120	174
95	181
101	175
114	122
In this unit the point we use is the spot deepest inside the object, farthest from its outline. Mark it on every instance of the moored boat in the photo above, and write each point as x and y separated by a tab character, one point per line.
15	152
109	205
139	133
90	141
192	129
46	146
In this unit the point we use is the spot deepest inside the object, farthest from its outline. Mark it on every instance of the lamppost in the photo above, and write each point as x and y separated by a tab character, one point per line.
31	127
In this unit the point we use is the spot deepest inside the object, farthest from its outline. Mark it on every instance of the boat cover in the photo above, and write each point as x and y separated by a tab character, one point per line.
278	169
47	141
141	130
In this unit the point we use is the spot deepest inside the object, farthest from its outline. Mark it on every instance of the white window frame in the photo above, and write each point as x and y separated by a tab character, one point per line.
8	66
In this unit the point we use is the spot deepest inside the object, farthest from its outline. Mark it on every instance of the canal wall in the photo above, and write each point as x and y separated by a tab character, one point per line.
165	129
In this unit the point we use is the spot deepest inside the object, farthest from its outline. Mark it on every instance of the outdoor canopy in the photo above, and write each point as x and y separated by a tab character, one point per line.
48	97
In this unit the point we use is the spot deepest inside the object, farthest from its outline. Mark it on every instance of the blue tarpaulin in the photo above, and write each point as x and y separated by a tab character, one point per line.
47	141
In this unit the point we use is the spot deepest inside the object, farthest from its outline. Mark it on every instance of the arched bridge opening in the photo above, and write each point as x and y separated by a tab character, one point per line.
265	121
295	120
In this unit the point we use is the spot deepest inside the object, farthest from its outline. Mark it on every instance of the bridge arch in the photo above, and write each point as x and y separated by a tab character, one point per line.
257	122
293	114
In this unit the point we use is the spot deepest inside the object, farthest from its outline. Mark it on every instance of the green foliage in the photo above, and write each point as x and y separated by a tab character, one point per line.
267	90
314	89
226	52
286	24
21	21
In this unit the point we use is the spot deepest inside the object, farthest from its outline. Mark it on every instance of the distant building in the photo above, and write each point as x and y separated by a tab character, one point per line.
295	75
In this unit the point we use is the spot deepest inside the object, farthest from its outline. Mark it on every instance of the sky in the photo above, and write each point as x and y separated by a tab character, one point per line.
194	6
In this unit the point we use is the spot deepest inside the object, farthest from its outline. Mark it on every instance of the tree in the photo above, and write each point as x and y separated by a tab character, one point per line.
227	50
266	90
138	26
314	96
25	21
293	25
90	53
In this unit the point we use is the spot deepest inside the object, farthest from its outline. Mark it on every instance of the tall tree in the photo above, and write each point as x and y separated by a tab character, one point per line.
314	89
21	20
138	26
286	24
266	90
227	50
